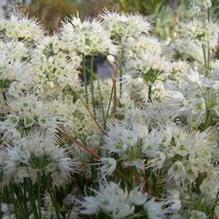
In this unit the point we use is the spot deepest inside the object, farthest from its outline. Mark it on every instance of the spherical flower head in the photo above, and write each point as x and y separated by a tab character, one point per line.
186	49
136	48
121	138
195	157
56	65
122	26
21	28
113	200
35	154
88	38
149	66
14	51
206	33
15	73
28	114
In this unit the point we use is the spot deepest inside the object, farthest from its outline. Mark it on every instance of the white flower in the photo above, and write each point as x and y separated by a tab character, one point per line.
56	65
112	200
21	28
28	114
108	166
154	209
123	26
149	65
87	37
25	158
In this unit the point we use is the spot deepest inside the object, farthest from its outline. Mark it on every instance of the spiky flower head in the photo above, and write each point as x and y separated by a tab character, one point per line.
36	155
122	26
20	29
88	37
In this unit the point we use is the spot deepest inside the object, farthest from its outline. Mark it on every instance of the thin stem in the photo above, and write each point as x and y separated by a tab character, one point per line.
85	81
150	93
39	194
54	202
110	100
92	84
114	90
85	148
102	104
92	116
32	199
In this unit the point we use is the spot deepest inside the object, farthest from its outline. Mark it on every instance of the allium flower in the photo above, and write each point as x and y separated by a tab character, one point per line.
35	155
150	66
87	37
114	201
186	49
195	151
28	114
14	51
136	48
14	70
56	65
163	209
134	143
20	28
122	26
122	138
206	33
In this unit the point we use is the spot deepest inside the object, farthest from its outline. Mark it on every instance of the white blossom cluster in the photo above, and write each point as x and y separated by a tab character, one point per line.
140	143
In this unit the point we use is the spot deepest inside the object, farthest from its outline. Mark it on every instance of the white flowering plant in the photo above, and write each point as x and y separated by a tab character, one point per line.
104	120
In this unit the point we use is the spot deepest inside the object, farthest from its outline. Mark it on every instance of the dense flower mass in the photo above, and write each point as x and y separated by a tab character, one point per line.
105	120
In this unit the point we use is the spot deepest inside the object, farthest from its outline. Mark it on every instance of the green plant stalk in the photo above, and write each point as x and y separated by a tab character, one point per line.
39	195
110	101
85	81
92	85
114	98
102	104
54	202
120	67
150	93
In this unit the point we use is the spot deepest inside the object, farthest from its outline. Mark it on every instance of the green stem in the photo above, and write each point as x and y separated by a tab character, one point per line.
121	72
85	80
110	101
39	195
102	104
92	84
150	93
54	202
32	199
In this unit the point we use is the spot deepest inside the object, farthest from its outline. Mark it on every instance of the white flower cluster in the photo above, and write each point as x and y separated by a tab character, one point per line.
87	37
20	29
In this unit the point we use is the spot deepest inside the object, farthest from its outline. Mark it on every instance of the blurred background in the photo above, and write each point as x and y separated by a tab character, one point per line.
166	13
